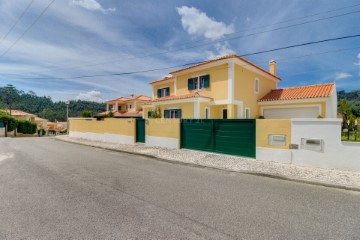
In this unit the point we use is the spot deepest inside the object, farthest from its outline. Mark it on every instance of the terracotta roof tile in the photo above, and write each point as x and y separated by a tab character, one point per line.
124	99
222	58
162	80
20	113
176	97
311	91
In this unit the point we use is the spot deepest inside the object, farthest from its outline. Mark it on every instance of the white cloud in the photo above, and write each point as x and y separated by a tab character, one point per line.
91	5
94	96
198	23
248	20
342	75
221	50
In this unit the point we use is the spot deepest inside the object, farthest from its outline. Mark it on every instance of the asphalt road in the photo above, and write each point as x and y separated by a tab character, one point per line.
56	190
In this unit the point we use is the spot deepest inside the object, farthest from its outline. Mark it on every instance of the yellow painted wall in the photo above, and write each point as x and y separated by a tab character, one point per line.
159	127
109	125
264	127
164	85
323	106
218	82
146	109
215	111
245	89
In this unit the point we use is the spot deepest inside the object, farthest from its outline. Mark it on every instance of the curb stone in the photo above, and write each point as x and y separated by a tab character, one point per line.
268	175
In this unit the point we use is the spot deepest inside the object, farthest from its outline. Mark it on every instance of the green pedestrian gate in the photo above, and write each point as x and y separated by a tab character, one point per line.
140	130
229	136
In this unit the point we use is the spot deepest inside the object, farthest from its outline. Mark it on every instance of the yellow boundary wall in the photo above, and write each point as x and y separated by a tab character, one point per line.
162	132
266	127
109	129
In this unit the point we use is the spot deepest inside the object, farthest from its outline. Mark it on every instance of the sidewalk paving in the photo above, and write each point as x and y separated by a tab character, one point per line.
326	177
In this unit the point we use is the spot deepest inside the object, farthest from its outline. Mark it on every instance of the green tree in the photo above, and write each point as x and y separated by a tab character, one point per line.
9	96
85	114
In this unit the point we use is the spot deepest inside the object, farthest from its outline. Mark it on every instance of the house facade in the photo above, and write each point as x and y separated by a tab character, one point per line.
228	87
126	107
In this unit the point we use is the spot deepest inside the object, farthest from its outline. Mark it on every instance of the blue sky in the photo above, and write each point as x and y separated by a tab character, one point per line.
103	37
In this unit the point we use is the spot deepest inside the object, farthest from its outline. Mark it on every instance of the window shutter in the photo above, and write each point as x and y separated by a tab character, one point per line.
178	113
159	93
168	91
190	83
207	81
166	114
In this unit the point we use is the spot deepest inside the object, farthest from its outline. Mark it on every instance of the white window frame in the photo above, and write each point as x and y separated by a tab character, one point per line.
199	82
247	116
257	85
207	110
163	92
172	110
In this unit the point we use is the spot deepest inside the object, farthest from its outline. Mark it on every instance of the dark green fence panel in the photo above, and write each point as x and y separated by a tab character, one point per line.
236	137
229	136
197	134
140	130
2	125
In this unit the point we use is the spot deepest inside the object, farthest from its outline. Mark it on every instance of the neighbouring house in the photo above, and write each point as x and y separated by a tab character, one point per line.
20	115
41	123
124	107
57	126
232	87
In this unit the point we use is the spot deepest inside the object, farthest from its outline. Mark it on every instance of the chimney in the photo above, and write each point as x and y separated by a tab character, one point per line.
272	67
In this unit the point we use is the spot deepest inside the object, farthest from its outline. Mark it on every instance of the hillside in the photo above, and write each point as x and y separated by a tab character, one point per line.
352	100
45	107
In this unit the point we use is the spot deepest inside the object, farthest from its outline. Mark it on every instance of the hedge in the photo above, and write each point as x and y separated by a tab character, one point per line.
26	127
10	122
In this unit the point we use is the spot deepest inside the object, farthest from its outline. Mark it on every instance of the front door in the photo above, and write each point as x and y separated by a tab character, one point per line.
224	113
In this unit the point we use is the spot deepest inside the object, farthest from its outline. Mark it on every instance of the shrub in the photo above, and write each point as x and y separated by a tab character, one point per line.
10	122
26	127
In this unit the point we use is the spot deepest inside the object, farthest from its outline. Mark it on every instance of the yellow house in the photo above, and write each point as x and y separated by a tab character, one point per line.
232	87
126	107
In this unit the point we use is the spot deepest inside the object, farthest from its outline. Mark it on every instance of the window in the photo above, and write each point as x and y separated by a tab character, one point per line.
247	113
256	85
200	82
150	114
172	113
130	106
207	113
127	107
119	108
163	92
111	107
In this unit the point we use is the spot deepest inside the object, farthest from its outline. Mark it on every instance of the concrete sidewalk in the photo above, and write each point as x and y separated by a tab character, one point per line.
326	177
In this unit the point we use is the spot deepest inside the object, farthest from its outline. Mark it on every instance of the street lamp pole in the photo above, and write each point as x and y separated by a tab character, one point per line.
67	116
356	126
348	123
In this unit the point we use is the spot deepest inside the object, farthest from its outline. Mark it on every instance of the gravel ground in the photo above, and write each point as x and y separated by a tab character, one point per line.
339	178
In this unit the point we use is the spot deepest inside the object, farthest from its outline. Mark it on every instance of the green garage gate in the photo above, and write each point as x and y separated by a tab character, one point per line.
229	136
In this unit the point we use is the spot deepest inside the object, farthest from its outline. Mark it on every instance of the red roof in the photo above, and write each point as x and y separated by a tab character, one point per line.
226	57
124	99
311	91
20	113
162	80
176	97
